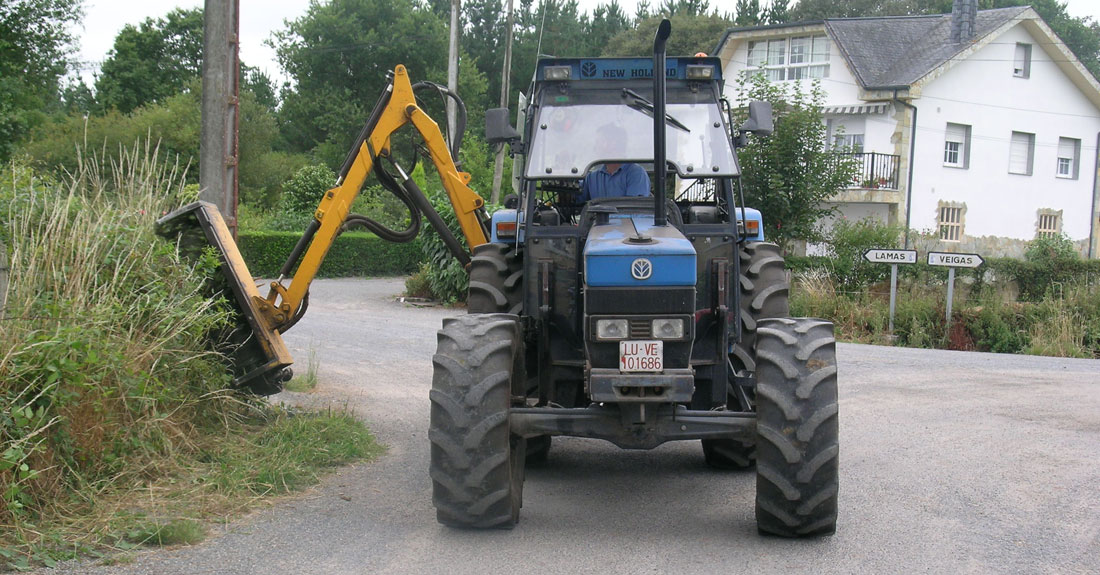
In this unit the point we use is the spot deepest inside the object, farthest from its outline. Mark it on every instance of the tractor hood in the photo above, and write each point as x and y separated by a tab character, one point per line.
631	251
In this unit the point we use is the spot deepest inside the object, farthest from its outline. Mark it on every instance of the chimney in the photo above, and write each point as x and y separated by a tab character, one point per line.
964	19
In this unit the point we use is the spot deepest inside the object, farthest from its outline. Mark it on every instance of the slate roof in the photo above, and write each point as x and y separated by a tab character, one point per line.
898	51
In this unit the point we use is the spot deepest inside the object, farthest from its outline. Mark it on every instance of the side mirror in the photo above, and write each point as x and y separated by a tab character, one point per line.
760	119
497	128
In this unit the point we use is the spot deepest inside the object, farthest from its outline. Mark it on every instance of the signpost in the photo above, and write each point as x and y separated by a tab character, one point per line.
892	257
952	261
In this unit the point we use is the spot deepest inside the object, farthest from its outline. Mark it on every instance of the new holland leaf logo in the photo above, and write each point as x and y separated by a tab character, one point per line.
641	269
588	69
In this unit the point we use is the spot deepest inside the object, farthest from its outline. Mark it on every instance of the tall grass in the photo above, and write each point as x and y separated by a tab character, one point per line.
103	370
1064	322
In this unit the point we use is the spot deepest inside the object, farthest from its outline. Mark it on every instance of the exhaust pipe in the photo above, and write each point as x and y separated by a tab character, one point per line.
660	210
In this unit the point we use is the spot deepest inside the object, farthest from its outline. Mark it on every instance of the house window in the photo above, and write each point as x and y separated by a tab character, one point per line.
845	134
848	143
951	221
956	146
791	58
1069	156
1021	64
1049	223
1021	153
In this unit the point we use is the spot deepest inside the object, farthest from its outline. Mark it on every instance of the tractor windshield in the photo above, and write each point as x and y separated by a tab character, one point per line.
573	132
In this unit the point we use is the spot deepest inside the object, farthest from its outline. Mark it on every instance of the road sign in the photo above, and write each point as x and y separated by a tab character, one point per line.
954	260
891	256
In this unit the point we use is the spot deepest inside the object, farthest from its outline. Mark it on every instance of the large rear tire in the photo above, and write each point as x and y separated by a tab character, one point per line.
476	462
797	430
764	294
496	280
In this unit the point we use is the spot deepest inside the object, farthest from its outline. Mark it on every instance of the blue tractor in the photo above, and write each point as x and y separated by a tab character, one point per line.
637	320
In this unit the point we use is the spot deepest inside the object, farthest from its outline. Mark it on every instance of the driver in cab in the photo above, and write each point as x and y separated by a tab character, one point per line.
613	180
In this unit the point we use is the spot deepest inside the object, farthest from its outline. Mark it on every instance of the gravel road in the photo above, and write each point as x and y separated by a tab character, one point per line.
951	462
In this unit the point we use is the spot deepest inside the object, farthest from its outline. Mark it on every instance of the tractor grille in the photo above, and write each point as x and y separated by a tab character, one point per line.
641	328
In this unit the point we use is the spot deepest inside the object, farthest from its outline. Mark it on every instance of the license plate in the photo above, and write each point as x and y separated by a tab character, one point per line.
641	356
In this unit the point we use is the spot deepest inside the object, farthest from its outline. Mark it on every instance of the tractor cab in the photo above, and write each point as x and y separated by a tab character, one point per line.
628	280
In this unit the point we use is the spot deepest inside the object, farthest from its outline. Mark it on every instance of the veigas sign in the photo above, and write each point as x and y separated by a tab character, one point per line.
954	260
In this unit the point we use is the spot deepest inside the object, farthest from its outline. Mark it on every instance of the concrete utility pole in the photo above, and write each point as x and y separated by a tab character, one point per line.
505	75
218	147
452	65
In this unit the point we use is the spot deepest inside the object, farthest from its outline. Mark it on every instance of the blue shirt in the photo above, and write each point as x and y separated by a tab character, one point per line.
628	180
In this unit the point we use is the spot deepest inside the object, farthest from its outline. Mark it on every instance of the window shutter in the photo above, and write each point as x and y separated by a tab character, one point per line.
956	133
1065	148
1019	153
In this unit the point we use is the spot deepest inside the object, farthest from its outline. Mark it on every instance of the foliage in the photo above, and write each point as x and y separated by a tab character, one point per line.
353	254
848	240
175	126
691	33
306	187
337	56
997	328
1051	264
1063	323
115	425
102	368
789	175
35	45
153	61
447	279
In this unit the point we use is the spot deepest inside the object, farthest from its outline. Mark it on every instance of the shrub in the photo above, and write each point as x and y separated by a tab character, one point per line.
304	190
1049	263
352	254
847	242
997	328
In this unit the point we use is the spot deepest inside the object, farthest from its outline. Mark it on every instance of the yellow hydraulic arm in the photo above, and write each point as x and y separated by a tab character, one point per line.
401	109
253	342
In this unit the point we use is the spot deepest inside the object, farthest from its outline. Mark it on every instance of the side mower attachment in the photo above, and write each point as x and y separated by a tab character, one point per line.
258	357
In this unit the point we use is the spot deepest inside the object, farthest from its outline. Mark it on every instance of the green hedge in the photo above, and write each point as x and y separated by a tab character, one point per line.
353	254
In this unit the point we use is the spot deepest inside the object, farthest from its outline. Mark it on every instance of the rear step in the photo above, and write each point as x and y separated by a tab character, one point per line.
259	360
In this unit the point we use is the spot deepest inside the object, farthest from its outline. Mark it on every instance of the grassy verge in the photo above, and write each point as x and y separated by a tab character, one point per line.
1064	323
115	426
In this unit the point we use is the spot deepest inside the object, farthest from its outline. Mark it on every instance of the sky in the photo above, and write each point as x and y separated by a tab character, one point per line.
103	19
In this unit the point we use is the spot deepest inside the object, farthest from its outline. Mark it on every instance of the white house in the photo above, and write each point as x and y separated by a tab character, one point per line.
1007	120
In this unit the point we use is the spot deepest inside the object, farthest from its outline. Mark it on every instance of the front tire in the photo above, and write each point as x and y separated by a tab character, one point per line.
476	462
797	432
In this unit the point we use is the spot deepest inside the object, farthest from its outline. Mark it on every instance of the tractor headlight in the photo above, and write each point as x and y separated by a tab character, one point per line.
668	328
697	72
558	72
612	329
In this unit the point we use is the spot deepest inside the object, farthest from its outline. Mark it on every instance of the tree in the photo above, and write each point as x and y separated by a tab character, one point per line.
778	12
35	46
691	33
152	61
338	55
255	81
749	13
789	176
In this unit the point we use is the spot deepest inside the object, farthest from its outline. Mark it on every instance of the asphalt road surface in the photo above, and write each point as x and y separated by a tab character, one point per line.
951	462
